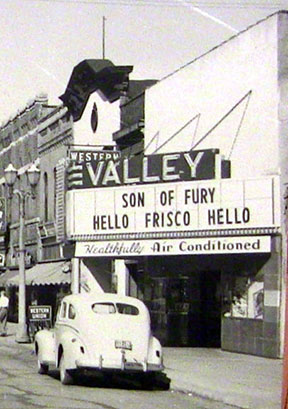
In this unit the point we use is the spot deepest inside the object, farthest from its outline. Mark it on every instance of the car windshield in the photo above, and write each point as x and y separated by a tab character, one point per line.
110	308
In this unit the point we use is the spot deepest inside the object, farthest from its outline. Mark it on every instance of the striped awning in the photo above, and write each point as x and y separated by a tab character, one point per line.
9	274
45	274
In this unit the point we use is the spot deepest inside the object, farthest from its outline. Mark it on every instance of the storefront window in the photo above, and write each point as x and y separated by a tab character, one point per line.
243	297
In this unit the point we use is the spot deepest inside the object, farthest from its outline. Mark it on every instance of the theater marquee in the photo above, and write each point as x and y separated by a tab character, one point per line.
171	247
178	207
88	169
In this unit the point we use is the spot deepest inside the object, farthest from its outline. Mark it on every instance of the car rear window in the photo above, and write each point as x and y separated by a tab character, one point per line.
110	308
104	308
127	309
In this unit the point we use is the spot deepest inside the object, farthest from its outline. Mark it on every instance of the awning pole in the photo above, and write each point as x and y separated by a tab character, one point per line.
75	278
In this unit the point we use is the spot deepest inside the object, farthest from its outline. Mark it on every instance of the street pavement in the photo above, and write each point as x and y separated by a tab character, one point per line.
246	381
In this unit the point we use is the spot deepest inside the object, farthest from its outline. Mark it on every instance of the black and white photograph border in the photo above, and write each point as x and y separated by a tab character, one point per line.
143	204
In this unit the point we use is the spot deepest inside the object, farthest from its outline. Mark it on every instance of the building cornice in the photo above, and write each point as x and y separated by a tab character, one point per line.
62	139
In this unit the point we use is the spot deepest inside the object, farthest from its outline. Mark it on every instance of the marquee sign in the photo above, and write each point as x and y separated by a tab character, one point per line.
105	168
170	247
184	206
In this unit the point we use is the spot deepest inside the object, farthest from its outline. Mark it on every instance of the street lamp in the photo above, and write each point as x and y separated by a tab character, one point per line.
33	175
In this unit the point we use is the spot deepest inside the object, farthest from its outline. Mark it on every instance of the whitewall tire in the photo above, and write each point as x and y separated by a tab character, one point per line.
65	377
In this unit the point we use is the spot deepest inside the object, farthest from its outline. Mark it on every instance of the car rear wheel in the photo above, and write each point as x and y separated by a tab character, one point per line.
65	377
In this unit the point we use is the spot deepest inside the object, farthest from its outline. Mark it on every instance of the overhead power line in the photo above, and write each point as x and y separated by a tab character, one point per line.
171	3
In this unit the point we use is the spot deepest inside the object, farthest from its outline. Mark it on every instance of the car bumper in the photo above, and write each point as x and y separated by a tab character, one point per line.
122	366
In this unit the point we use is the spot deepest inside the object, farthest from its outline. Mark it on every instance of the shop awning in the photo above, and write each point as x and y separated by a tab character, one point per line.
9	274
45	274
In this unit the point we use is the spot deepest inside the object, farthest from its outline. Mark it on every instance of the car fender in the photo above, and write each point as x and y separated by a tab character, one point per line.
70	345
45	345
155	353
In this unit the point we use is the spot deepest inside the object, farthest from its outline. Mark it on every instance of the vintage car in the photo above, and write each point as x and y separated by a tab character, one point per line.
99	332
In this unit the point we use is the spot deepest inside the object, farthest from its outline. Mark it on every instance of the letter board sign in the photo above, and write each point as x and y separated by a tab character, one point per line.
184	206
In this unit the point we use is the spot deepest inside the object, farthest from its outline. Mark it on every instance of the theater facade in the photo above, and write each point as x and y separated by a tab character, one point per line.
192	244
195	223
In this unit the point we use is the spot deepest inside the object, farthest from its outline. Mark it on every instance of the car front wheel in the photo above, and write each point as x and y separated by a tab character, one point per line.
65	377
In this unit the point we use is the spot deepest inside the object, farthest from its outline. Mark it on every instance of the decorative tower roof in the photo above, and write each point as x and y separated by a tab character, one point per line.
94	75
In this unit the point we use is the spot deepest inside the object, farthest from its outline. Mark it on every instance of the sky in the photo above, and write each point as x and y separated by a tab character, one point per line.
41	41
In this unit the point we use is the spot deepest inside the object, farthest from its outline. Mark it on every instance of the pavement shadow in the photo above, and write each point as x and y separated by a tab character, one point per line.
157	381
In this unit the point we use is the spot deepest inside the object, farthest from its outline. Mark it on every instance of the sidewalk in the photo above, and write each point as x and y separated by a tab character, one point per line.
242	380
245	381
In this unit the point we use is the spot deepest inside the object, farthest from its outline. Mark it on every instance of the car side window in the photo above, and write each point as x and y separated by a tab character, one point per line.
71	312
63	310
58	313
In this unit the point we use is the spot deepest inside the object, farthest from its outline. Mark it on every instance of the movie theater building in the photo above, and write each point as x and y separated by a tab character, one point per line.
195	226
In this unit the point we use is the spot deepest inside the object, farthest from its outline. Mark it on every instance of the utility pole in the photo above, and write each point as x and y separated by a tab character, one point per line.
284	403
103	37
285	359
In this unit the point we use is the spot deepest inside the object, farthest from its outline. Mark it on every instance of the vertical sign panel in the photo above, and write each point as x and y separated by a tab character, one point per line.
2	214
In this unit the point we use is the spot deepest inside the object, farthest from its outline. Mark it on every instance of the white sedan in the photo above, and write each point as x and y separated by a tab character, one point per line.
99	332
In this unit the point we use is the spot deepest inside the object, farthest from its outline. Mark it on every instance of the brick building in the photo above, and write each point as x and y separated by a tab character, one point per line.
37	134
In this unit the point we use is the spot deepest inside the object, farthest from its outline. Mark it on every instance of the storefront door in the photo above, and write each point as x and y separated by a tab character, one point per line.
194	310
184	304
210	309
